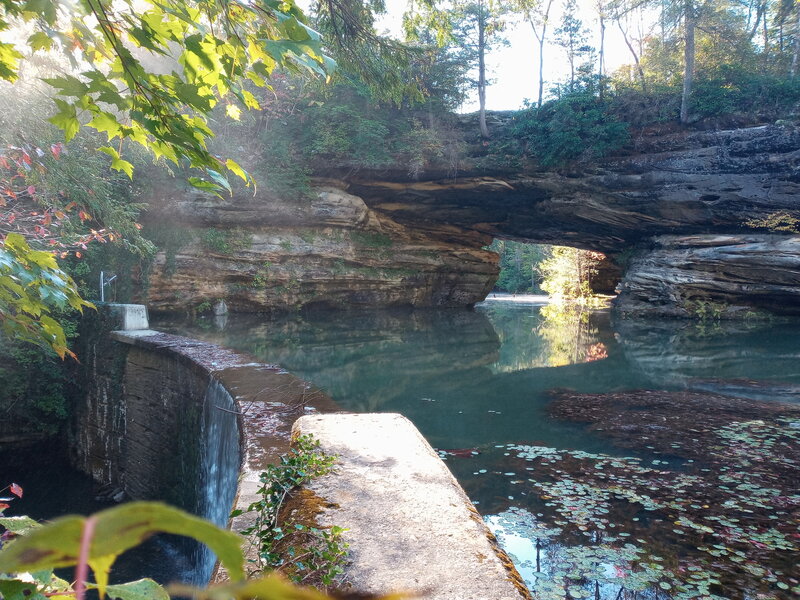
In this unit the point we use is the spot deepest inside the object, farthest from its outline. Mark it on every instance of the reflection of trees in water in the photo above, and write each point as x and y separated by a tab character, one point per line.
570	335
548	336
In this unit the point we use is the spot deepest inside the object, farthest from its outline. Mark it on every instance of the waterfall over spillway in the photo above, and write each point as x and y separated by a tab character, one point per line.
219	469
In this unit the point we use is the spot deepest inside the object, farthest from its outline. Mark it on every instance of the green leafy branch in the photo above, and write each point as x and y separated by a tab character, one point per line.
32	286
212	49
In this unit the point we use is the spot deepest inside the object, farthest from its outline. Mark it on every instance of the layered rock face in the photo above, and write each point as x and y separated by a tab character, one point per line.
681	183
327	252
705	190
684	204
714	276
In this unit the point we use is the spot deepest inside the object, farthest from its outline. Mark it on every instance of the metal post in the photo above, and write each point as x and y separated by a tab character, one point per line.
103	283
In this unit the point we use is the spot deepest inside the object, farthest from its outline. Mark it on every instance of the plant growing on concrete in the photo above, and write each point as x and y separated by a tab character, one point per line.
302	552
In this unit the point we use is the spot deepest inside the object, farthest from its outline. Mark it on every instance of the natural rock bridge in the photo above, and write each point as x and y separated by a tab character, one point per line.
679	216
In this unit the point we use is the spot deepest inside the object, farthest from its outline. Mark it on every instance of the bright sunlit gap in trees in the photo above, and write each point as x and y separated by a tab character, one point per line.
513	67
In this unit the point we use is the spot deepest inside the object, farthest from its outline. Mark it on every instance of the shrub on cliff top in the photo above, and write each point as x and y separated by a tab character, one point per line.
577	126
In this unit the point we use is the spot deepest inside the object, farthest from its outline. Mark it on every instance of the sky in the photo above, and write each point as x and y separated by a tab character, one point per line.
513	68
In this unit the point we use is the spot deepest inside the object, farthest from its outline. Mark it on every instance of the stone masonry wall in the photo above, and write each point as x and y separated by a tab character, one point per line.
137	427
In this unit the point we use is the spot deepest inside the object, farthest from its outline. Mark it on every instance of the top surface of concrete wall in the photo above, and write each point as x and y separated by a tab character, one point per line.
410	526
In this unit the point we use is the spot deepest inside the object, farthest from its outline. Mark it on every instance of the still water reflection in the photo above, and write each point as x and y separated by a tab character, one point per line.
482	386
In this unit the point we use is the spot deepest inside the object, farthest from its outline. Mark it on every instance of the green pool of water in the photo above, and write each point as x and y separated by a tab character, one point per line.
585	508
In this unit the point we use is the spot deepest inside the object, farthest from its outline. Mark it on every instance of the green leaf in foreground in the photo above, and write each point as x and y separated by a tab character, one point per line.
14	589
19	525
141	589
114	531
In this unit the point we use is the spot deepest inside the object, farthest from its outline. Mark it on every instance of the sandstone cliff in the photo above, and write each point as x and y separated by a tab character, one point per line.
683	205
330	251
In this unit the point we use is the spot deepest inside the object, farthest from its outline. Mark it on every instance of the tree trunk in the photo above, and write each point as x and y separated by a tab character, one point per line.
688	59
571	69
602	52
482	71
545	19
639	69
796	54
759	14
541	68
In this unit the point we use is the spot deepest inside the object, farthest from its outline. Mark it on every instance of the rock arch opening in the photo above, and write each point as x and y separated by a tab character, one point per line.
553	270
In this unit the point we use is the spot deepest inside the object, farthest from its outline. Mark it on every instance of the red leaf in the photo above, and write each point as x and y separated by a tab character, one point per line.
3	506
26	157
56	149
4	162
31	190
16	490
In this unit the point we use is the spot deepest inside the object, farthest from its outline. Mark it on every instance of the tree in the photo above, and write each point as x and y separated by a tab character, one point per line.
382	64
207	48
475	26
788	13
601	8
441	60
571	35
621	12
700	39
537	14
45	199
32	287
478	26
567	272
519	265
689	23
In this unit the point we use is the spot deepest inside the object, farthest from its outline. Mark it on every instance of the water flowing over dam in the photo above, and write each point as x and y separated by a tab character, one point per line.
219	469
